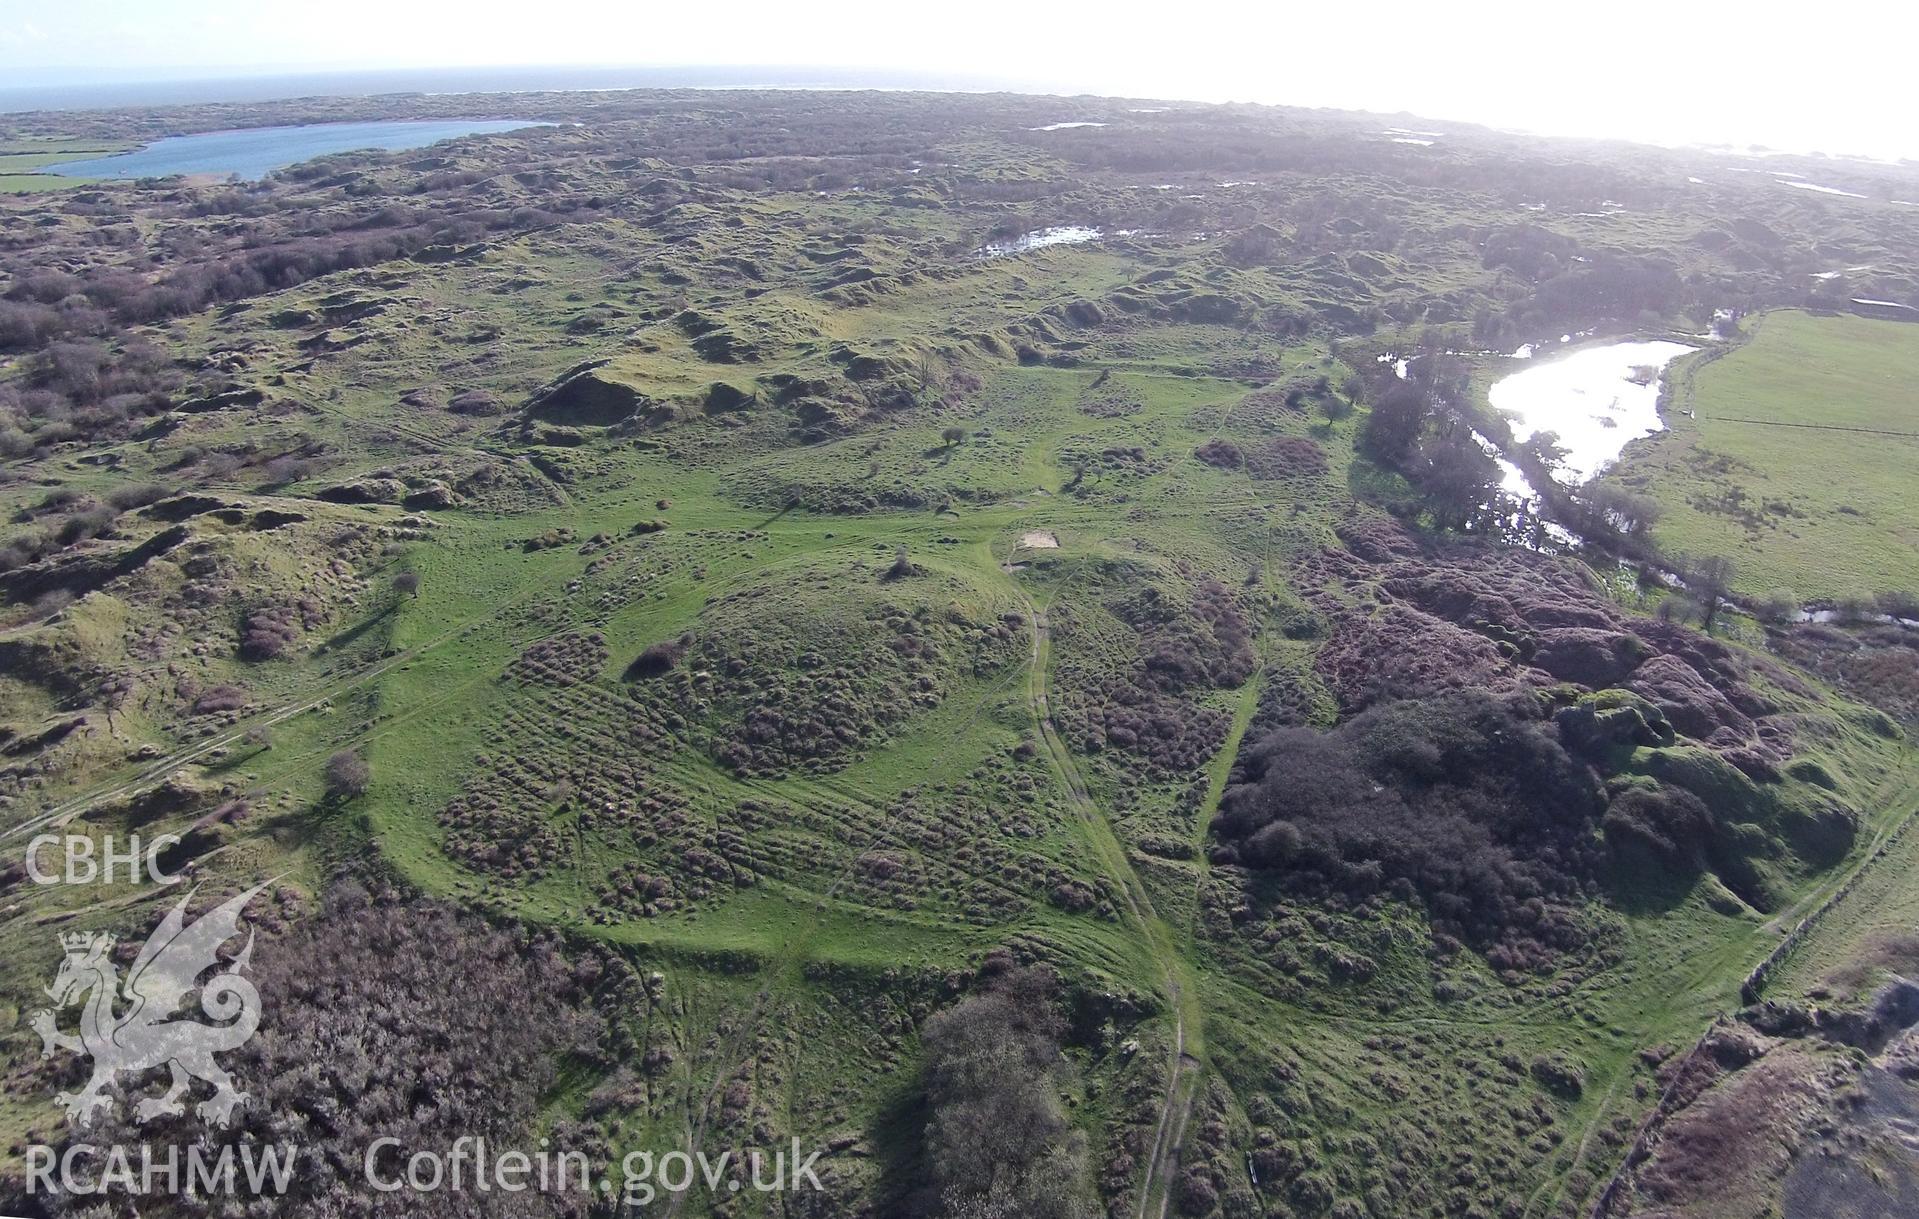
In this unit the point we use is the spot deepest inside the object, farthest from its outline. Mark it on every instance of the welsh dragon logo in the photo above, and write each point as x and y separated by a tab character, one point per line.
145	1034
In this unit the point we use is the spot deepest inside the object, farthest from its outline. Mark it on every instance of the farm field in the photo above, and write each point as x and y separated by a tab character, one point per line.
17	183
1795	455
21	162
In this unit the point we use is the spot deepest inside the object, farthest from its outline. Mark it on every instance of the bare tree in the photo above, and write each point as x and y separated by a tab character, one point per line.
997	1141
932	373
1710	582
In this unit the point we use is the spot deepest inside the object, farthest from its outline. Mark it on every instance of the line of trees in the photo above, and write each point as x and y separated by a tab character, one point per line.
1420	426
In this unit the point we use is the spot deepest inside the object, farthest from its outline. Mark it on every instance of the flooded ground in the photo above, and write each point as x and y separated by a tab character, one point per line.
1816	188
1595	399
1038	239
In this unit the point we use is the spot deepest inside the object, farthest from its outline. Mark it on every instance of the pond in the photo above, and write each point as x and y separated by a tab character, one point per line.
1038	239
1596	399
257	151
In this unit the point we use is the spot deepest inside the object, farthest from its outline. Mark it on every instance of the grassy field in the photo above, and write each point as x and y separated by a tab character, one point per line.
22	162
1795	454
20	184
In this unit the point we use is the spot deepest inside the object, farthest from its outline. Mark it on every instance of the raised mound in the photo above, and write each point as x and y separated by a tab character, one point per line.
805	674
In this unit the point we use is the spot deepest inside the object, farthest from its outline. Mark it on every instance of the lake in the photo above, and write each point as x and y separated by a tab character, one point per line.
1596	399
257	151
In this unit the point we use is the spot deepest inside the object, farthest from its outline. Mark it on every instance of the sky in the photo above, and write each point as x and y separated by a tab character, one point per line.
1835	78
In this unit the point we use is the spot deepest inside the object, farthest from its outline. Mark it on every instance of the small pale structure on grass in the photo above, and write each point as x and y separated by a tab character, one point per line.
1039	539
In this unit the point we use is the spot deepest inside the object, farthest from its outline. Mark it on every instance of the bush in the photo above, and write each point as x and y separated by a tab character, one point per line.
137	495
477	403
88	523
347	775
268	632
284	470
659	659
1901	603
219	698
1287	457
1560	1073
1777	608
1670	822
1470	800
1223	454
423	1025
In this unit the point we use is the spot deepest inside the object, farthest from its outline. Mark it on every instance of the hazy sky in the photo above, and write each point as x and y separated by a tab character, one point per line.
1836	78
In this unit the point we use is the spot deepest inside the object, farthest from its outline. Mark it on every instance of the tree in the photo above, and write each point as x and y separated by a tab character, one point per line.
1627	511
1899	603
1710	582
932	373
997	1140
953	436
1455	475
1394	425
1544	448
407	584
347	775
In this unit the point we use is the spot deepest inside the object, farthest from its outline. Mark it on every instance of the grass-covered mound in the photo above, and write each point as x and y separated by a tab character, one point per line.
1139	660
566	759
806	673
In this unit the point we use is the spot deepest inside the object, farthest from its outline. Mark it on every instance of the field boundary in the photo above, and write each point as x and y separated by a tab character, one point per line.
1753	988
1818	427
